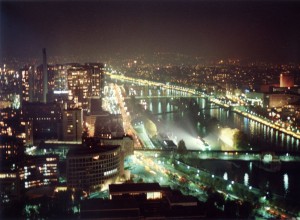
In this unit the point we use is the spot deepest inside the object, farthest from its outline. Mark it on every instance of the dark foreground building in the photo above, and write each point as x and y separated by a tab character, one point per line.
143	201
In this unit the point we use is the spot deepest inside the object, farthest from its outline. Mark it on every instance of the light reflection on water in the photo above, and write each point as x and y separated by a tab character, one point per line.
151	106
259	134
246	179
225	176
286	183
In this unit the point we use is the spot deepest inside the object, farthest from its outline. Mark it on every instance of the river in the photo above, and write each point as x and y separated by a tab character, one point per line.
187	118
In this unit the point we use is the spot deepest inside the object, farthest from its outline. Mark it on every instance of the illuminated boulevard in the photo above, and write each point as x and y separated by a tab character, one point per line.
151	163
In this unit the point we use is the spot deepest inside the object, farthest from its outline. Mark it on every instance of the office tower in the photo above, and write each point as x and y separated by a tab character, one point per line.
38	84
78	85
10	88
57	83
27	74
45	76
60	82
71	124
96	75
84	84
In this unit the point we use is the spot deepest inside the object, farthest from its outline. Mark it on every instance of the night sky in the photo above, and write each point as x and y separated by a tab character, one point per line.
263	30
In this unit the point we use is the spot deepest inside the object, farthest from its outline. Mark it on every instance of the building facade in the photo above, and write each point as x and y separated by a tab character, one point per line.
90	168
27	76
37	171
9	186
126	143
45	119
71	124
278	100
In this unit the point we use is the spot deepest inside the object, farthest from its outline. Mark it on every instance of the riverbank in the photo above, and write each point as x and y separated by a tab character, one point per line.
213	100
256	118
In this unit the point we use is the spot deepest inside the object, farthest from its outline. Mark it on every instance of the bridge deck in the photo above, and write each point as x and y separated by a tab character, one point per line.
158	97
236	155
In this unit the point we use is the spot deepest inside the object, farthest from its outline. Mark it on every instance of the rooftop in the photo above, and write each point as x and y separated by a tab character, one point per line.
102	204
109	209
134	187
93	150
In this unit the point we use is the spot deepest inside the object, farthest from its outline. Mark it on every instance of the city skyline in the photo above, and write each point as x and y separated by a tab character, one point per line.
145	109
257	30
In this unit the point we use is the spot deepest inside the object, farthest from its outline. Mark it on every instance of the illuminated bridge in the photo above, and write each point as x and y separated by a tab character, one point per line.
267	156
178	111
164	96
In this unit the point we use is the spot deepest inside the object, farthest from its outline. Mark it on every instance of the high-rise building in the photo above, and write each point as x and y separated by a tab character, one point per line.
57	83
45	76
38	84
78	85
60	82
27	74
85	83
11	88
96	76
72	124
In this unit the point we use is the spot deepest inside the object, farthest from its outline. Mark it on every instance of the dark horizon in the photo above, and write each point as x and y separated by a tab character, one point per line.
257	30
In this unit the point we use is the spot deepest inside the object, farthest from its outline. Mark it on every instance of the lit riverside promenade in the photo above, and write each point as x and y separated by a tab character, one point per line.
193	93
